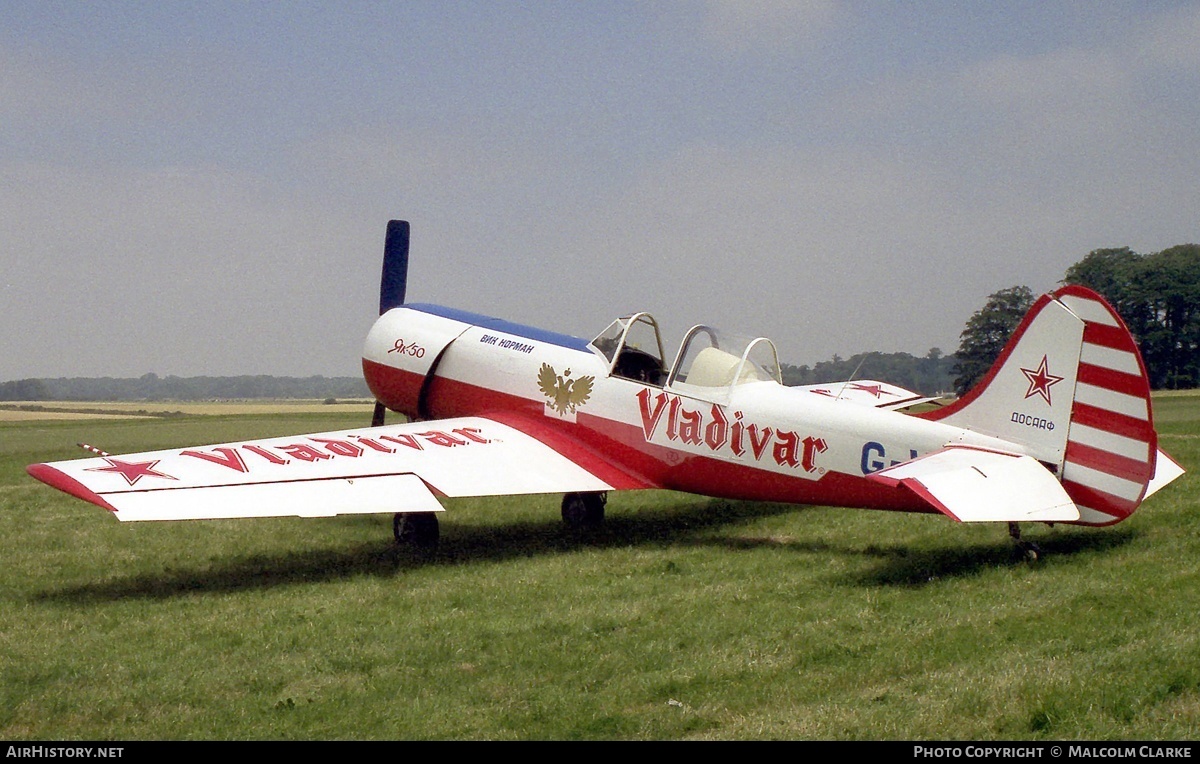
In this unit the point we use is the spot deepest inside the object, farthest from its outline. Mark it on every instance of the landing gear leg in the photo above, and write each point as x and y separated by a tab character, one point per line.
1029	550
418	529
584	510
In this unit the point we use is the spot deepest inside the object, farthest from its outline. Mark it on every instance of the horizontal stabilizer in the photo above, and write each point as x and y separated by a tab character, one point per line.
976	485
1166	469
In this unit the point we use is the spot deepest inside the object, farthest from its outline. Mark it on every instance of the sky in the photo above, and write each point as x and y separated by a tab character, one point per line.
202	188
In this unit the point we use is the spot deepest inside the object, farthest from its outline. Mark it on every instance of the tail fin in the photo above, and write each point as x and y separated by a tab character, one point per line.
1071	388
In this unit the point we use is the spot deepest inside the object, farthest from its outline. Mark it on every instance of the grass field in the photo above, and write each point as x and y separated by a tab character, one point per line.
683	618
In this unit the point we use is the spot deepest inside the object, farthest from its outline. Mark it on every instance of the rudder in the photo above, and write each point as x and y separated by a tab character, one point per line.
1112	446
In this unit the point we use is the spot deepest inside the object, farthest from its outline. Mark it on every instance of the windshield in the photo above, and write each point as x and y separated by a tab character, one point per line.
633	347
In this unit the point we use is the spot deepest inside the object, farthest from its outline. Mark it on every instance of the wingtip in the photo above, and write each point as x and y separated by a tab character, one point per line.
56	478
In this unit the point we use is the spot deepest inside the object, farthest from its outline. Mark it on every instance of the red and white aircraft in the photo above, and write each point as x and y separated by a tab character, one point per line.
1059	431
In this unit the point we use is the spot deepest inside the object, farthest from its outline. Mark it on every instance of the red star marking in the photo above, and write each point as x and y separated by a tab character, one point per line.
876	390
1040	381
132	471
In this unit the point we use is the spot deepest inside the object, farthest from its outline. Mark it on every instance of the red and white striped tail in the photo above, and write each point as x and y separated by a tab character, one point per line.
1070	390
1111	443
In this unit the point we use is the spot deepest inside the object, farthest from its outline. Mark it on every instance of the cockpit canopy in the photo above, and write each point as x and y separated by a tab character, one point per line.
710	361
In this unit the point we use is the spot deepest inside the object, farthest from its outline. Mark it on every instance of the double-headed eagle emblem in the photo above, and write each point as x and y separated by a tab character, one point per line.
565	394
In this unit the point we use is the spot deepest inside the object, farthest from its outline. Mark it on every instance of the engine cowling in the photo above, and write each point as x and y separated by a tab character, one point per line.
401	352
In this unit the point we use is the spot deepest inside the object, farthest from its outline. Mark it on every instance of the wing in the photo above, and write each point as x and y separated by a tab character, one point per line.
396	468
868	392
977	485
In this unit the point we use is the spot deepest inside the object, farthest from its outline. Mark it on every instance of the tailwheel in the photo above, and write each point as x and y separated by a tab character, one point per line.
418	529
581	510
1027	549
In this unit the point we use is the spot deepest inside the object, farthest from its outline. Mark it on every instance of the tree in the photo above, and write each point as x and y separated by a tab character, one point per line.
1110	272
986	333
1166	288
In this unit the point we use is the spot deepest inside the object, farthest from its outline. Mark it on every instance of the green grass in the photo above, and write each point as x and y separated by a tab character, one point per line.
682	618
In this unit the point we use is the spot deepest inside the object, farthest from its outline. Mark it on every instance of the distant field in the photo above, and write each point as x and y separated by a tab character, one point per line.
14	415
27	410
682	618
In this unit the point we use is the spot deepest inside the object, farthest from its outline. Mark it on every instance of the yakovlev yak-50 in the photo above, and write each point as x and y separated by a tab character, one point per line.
1059	431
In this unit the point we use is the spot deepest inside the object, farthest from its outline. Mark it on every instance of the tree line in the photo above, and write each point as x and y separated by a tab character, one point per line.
151	387
1157	295
929	375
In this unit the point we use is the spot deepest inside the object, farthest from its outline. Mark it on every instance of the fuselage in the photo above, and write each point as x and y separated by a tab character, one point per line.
756	440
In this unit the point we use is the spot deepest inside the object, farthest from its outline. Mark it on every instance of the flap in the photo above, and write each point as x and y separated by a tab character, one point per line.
306	498
977	485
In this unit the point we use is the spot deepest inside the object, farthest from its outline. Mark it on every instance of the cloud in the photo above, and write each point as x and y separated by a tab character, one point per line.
1170	40
766	26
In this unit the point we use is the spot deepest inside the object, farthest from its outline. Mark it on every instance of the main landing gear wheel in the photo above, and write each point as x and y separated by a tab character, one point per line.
583	510
419	529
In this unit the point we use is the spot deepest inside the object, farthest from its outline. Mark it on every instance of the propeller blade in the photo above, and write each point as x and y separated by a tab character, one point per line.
392	284
395	266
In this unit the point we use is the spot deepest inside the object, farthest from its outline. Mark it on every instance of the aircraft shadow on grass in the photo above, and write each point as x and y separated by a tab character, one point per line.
680	524
898	566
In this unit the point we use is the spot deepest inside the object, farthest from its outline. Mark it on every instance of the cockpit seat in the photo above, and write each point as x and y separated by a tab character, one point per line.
715	368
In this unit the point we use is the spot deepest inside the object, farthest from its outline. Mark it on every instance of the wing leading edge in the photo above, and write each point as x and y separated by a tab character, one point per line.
395	468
